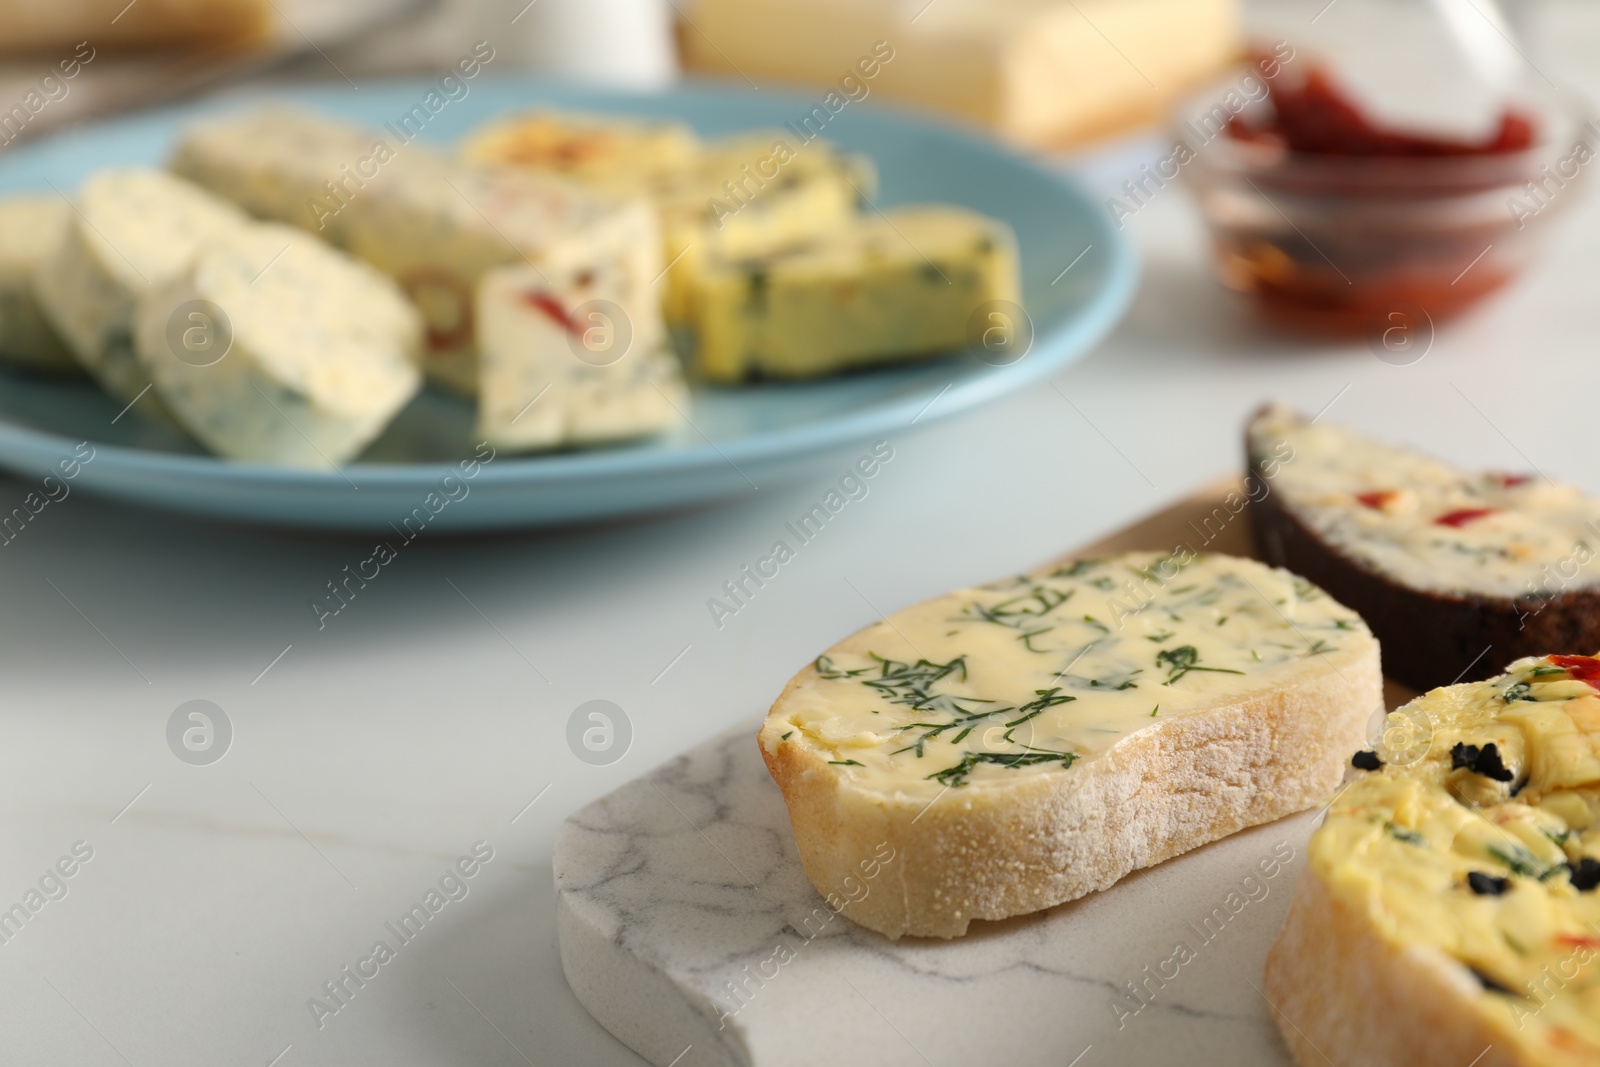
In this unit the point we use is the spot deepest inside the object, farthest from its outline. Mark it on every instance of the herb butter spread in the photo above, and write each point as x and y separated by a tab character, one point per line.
1428	525
1037	674
1479	836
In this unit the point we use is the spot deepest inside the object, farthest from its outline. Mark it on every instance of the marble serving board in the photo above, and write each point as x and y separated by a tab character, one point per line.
690	931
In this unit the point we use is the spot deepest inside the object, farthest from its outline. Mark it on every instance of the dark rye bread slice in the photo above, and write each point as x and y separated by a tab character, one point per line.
1430	637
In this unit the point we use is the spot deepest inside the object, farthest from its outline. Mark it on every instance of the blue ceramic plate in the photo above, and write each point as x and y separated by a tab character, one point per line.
740	438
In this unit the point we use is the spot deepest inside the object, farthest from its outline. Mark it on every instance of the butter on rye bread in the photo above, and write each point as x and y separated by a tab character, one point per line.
1456	571
1024	743
1448	912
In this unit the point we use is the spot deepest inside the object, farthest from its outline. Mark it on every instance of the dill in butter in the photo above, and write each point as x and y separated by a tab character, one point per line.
1037	673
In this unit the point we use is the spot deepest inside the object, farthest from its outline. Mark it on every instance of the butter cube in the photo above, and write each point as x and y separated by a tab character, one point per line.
887	288
571	359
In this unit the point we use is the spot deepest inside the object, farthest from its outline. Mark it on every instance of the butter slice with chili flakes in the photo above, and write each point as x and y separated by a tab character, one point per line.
1430	525
1475	842
572	358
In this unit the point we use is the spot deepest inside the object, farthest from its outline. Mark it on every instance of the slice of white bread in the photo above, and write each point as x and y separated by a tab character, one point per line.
1457	571
1020	744
1448	913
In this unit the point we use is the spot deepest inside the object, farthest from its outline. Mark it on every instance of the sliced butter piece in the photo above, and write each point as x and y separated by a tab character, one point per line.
1425	523
323	349
575	359
899	286
434	225
30	229
1023	743
134	231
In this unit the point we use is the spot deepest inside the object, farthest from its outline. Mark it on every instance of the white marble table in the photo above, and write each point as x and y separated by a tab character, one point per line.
432	714
688	927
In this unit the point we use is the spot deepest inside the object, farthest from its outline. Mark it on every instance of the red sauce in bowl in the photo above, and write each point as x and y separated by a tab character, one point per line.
1334	220
1316	116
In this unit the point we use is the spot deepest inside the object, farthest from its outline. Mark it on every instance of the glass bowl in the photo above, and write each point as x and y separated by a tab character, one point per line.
1340	244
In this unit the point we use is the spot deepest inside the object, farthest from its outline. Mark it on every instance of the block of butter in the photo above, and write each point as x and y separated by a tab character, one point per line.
435	225
751	195
273	347
571	359
30	227
1041	72
888	287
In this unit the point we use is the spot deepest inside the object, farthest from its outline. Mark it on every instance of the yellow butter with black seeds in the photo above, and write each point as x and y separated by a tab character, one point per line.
1477	836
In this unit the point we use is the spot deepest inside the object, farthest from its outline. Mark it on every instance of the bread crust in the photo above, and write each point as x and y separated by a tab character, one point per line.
1343	995
1052	837
1429	639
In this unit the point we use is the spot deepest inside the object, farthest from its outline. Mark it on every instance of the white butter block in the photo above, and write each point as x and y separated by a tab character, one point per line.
1043	72
689	930
435	225
30	228
572	358
133	231
322	354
